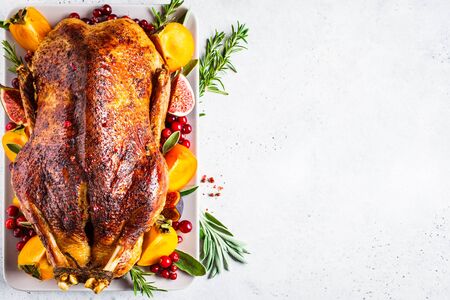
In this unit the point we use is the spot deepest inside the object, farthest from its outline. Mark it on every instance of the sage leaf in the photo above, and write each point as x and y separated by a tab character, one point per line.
189	66
171	142
189	264
14	148
188	191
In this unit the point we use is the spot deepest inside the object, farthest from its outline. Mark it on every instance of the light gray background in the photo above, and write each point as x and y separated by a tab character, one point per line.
334	149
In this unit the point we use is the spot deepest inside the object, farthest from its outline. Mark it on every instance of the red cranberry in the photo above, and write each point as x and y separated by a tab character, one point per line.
186	143
143	23
20	219
175	225
173	276
166	133
111	17
154	269
10	223
97	13
124	17
182	120
106	10
180	239
31	233
20	245
18	233
170	119
176	126
186	129
25	238
173	268
88	21
94	20
74	15
29	56
165	273
15	83
185	226
12	211
163	140
10	126
174	257
149	28
165	261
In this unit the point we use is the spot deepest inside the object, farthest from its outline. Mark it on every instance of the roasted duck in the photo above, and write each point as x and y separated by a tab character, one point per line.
92	179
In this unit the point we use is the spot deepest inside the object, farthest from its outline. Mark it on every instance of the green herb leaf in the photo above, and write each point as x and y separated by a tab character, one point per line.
189	264
188	191
218	244
189	66
11	55
185	17
171	142
140	284
4	25
14	148
217	58
163	17
201	114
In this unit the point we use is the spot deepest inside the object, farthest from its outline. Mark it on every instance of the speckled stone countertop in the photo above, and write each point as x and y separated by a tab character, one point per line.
333	147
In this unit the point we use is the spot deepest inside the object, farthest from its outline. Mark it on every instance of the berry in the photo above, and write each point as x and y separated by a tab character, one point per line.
26	238
94	20
180	239
20	245
12	211
174	257
31	233
166	133
20	219
15	83
106	10
165	261
173	268
97	13
182	120
175	225
29	56
18	233
143	23
170	119
165	273
154	269
149	27
185	226
10	223
74	15
111	17
186	143
186	129
88	21
124	17
10	126
136	20
176	126
173	276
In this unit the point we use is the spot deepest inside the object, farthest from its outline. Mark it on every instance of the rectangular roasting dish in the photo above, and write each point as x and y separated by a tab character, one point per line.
20	280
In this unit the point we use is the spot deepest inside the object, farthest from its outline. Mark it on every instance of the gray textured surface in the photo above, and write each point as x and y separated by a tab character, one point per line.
333	146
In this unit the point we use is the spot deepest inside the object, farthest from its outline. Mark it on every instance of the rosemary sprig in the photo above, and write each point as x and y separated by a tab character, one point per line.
140	284
11	55
217	58
163	17
218	244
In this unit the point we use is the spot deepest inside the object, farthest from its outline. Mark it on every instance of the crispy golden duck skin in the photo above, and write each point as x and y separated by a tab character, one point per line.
93	162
